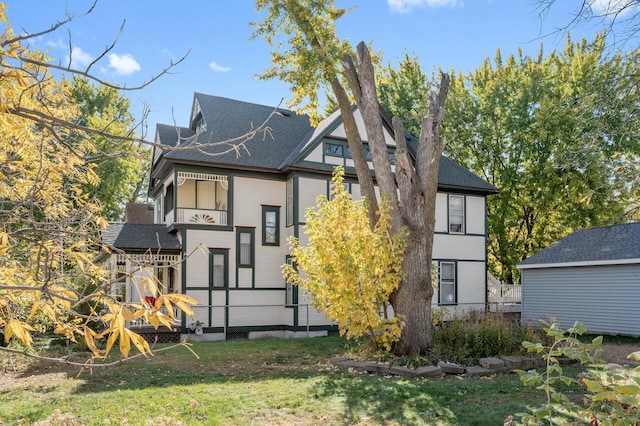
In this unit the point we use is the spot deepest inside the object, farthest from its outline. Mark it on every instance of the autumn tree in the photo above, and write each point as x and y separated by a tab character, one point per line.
49	223
309	56
344	280
121	165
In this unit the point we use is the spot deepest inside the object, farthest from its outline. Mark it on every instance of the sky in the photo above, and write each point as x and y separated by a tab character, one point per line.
223	60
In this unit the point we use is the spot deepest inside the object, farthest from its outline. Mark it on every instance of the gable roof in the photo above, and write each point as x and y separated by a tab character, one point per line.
282	147
607	245
140	237
226	119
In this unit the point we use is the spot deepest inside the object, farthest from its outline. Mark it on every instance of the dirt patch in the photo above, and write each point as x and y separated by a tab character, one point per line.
618	353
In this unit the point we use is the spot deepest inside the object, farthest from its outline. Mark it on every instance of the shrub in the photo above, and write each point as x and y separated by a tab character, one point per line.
480	334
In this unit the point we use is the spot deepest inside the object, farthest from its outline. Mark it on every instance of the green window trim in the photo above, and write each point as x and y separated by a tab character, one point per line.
270	225
218	268
245	247
456	214
447	280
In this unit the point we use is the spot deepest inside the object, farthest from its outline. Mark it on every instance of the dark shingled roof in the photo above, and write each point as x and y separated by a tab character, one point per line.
227	119
603	244
140	236
279	148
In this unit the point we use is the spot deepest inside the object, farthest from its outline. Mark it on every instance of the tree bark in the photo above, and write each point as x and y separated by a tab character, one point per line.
412	192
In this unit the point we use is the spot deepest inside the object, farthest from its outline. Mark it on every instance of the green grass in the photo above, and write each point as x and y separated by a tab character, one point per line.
275	382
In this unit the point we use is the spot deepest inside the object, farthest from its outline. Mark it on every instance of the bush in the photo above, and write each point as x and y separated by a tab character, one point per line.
480	334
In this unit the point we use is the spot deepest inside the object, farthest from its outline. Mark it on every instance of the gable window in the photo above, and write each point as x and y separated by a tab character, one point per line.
456	214
270	226
447	283
289	202
334	149
245	244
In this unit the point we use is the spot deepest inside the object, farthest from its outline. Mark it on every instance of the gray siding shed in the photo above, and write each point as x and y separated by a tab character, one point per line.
604	298
591	276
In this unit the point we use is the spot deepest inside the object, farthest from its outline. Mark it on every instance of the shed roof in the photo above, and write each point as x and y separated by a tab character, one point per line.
140	237
607	245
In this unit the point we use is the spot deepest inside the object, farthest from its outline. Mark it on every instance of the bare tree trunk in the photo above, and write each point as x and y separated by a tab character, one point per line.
413	194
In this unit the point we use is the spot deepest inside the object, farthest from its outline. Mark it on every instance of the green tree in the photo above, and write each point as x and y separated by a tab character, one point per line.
309	56
557	135
345	282
401	90
121	165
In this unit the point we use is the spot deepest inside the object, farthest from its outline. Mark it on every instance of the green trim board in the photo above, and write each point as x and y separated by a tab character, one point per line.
270	225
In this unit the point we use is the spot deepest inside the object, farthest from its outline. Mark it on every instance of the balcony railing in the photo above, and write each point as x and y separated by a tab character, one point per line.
202	216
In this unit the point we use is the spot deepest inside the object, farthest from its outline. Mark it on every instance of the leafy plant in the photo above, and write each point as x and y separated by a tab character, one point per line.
345	281
613	396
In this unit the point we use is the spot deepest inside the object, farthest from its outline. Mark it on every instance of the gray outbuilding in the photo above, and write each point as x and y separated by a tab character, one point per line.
591	276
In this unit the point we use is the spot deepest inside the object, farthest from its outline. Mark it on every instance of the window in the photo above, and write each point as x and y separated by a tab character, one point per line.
290	202
334	149
168	199
245	247
270	226
289	290
456	214
447	283
157	207
345	185
218	268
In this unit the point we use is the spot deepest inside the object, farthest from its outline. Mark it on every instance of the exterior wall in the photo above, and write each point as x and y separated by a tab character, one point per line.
604	298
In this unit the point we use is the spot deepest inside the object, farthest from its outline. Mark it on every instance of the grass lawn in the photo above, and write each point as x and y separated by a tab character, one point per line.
240	382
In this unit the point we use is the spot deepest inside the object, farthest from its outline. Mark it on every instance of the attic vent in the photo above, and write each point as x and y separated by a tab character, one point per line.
284	112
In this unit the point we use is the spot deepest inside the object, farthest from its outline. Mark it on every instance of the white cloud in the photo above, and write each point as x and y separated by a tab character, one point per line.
123	64
612	7
218	68
404	6
79	58
58	43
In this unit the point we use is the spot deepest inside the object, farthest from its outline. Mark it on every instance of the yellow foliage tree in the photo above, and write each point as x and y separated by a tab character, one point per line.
49	226
350	269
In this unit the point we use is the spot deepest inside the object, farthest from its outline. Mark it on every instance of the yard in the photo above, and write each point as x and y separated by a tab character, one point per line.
267	382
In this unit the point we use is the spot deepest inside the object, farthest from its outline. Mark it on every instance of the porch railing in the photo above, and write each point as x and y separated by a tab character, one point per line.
504	293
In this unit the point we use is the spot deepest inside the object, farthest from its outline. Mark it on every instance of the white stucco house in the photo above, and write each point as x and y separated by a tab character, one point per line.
221	222
591	276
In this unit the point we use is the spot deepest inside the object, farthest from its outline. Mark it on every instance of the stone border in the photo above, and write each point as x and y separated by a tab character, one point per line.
487	367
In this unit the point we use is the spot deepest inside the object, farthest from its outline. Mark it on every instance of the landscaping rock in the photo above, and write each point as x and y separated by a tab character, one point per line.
377	367
476	370
450	368
403	371
492	363
347	364
430	371
514	362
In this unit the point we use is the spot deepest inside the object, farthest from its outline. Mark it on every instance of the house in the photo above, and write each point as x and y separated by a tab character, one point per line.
231	212
591	276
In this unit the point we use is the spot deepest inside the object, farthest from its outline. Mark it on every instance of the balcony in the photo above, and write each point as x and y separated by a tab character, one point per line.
202	216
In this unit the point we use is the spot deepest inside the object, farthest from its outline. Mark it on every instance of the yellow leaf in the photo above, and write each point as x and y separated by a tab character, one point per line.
125	343
20	330
127	314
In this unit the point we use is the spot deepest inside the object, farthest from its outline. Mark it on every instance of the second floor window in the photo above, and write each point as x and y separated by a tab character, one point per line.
270	226
456	214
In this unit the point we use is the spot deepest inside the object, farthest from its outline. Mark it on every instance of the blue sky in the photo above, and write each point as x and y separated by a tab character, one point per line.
223	60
